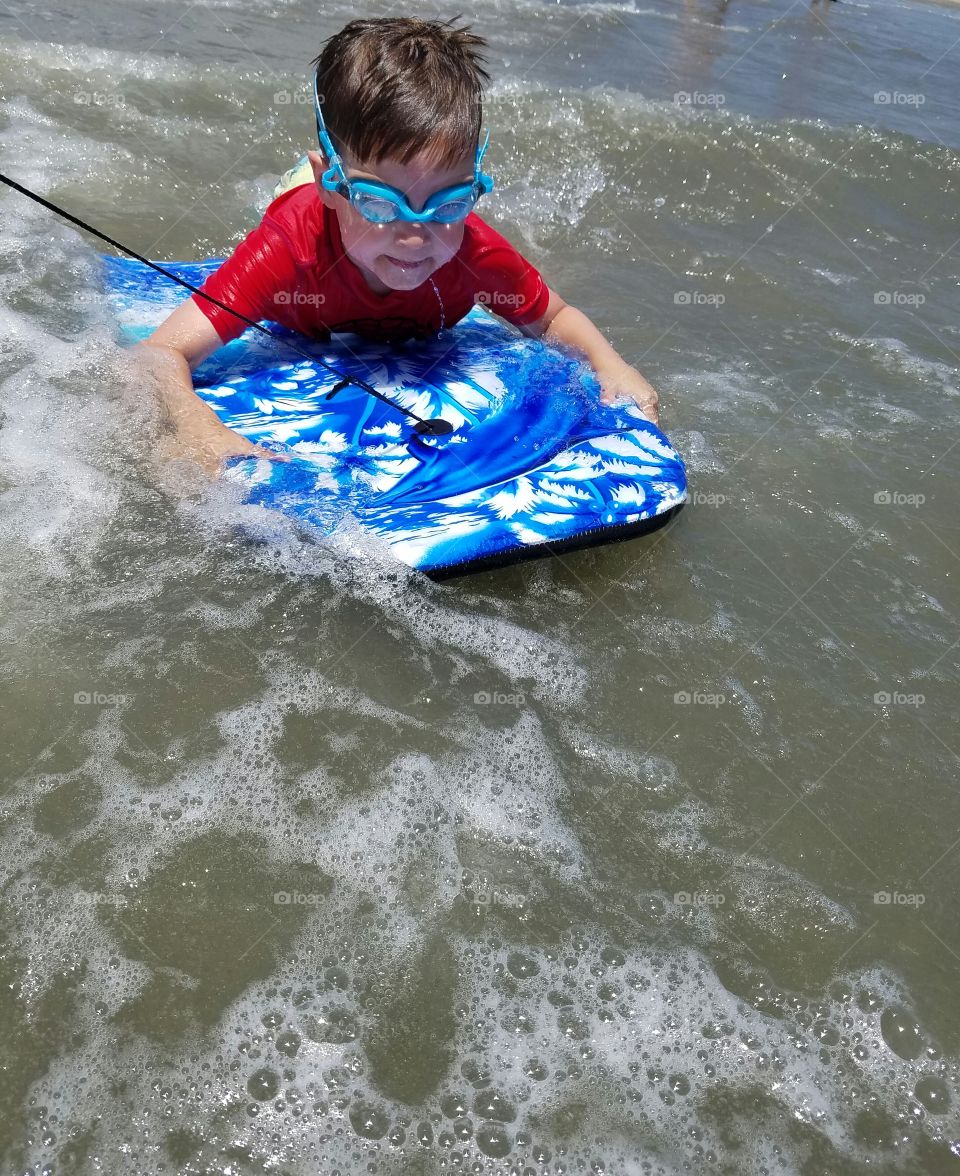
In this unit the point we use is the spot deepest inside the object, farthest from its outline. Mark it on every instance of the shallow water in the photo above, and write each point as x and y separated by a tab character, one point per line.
642	860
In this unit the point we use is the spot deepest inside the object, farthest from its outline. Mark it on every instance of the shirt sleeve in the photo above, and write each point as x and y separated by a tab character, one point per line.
504	281
254	279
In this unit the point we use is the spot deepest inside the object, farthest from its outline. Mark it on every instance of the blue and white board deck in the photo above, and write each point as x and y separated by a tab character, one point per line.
535	464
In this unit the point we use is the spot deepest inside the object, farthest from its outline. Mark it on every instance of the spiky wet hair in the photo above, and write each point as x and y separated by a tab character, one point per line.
393	87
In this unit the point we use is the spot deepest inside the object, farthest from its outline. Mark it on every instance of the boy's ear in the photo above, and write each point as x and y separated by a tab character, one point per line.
319	165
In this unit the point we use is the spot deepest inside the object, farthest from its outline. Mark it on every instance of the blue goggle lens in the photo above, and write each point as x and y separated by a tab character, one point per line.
381	210
375	208
453	210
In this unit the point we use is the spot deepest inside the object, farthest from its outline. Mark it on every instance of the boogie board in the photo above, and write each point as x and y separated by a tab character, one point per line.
534	465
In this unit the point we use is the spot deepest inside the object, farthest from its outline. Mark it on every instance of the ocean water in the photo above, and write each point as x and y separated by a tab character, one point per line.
641	860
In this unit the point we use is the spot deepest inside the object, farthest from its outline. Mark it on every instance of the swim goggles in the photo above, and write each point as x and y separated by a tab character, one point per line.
381	204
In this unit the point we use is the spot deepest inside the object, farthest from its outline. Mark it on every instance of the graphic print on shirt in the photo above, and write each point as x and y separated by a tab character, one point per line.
395	329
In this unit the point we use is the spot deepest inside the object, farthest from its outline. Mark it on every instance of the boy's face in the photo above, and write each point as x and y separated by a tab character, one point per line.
403	254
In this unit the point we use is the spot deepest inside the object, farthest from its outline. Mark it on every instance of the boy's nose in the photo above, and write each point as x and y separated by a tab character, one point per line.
411	233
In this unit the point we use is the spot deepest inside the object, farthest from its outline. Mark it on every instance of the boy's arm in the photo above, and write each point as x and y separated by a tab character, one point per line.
562	323
167	359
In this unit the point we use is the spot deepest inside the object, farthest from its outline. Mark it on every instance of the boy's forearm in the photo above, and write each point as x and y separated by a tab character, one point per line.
572	328
193	429
618	378
182	409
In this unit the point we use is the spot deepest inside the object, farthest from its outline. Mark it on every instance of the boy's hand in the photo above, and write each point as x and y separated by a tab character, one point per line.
624	382
210	445
190	427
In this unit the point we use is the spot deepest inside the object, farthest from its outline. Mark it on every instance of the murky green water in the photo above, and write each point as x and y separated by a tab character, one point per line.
283	890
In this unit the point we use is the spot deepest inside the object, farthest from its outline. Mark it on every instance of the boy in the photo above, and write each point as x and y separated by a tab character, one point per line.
384	242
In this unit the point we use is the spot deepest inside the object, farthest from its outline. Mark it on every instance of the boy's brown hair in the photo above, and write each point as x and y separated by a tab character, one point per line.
395	86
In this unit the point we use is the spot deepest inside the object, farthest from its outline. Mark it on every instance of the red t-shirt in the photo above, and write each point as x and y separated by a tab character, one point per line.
292	269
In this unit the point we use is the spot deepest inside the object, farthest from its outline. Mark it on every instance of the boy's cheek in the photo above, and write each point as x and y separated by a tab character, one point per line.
448	240
360	236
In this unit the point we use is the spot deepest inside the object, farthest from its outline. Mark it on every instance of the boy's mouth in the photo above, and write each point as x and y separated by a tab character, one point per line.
406	266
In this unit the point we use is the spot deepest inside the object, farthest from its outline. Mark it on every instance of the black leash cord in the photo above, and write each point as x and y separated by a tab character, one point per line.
435	427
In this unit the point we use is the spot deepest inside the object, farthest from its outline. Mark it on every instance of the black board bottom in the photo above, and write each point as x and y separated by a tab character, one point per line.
594	537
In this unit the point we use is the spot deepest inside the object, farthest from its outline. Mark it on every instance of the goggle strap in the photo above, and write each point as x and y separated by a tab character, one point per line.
480	153
335	163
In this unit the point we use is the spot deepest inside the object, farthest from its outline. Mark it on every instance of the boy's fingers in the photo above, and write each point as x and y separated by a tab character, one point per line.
256	451
259	451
